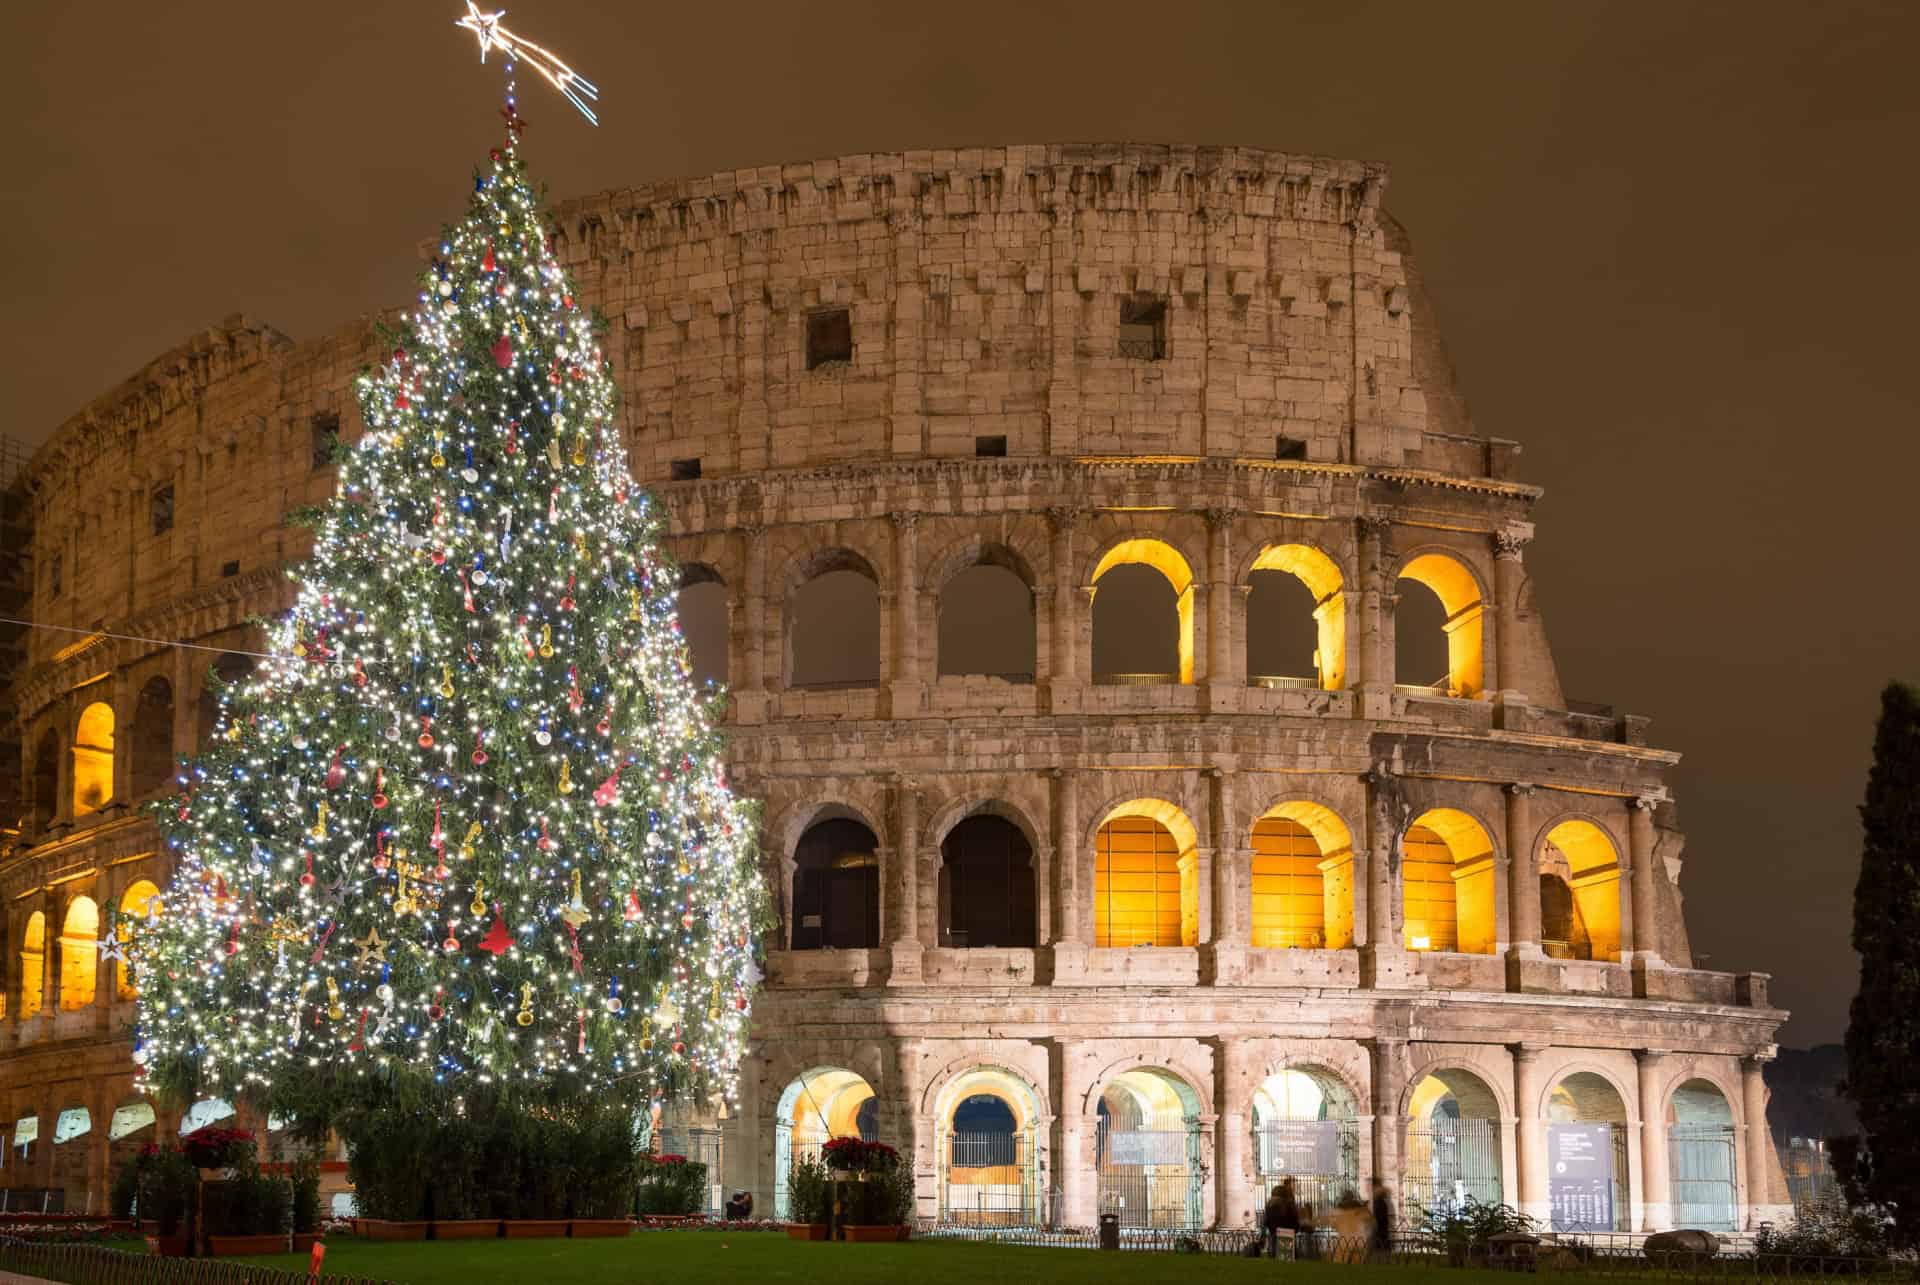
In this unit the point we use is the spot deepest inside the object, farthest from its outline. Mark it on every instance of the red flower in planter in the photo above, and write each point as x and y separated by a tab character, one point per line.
857	1155
211	1147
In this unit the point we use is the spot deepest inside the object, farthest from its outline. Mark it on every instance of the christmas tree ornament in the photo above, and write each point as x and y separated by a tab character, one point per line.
566	777
372	950
576	912
497	940
525	1016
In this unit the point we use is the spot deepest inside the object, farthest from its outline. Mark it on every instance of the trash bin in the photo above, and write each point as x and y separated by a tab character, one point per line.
1109	1231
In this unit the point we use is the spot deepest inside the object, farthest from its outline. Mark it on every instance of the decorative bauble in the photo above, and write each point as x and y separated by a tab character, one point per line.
446	288
503	352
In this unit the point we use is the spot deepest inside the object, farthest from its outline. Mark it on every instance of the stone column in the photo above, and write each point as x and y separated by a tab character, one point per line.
905	953
185	706
1655	1175
1530	1153
1389	1065
1756	1144
124	699
904	686
750	691
1638	908
1508	575
1221	670
1073	1155
1385	962
1066	613
1072	882
1375	680
1526	962
1234	1196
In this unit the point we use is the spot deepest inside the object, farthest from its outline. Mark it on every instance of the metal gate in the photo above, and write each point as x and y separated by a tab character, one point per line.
702	1145
1150	1178
1321	1156
1449	1161
990	1181
1701	1160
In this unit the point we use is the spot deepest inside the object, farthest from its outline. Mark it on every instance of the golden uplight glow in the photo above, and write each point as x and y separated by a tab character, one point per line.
1146	877
139	901
1594	868
1165	559
1302	886
1318	573
79	954
33	966
1447	880
93	759
1459	595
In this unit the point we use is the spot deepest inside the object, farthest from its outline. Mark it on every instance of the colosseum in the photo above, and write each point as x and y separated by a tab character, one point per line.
1167	781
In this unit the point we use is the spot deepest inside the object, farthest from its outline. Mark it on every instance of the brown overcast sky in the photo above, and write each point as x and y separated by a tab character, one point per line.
1672	247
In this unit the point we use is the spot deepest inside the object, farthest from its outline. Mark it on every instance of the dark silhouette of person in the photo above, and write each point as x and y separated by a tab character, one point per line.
1382	1218
740	1206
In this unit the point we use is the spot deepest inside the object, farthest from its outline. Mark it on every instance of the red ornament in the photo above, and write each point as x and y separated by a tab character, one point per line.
487	264
608	790
513	438
479	754
359	672
233	941
400	401
306	880
380	861
379	796
496	941
633	911
451	945
435	1012
426	731
336	770
545	844
503	352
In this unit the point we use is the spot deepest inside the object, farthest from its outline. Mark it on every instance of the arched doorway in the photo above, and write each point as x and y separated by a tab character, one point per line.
1587	1155
131	1127
1446	880
1460	627
93	759
1701	1157
79	953
986	884
70	1129
1301	890
1147	1150
1146	886
1143	614
833	623
1581	859
836	887
987	1151
1453	1144
205	1112
826	1102
1304	1128
1296	619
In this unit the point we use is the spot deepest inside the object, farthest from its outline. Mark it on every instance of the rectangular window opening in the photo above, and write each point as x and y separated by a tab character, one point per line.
1143	327
990	447
161	509
230	568
1289	448
684	470
326	433
829	337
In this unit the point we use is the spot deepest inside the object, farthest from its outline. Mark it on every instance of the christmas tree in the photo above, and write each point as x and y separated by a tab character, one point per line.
468	823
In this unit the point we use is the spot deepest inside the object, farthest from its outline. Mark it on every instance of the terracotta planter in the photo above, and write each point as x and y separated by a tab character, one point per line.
304	1241
530	1228
246	1246
904	1230
859	1234
387	1229
598	1228
466	1229
806	1231
174	1246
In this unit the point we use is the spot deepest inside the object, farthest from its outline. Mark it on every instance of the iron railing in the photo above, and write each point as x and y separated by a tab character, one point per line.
100	1265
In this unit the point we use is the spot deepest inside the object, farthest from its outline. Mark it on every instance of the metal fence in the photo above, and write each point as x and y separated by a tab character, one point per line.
1450	1161
1701	1160
990	1181
1150	1178
1321	1156
702	1145
99	1265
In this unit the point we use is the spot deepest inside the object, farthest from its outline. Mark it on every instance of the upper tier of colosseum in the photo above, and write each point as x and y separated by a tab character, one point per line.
1169	302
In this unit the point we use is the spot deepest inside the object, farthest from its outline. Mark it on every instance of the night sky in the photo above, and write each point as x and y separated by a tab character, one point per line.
1672	247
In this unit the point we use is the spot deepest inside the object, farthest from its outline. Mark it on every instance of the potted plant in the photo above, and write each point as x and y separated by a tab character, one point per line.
217	1152
672	1188
868	1198
166	1184
606	1162
248	1212
808	1199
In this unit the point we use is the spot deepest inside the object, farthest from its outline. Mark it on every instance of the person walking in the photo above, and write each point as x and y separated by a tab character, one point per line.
1282	1214
1382	1219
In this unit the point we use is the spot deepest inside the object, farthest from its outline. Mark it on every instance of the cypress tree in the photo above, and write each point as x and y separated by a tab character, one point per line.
1882	1167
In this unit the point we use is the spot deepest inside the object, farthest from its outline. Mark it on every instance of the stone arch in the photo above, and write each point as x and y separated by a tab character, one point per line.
1301	887
1158	553
151	763
1305	1122
817	1104
703	610
93	758
987	1176
1582	847
141	900
1586	1109
1702	1153
1148	1145
44	786
1452	1149
987	892
1447	866
33	965
823	584
835	880
203	1113
1321	577
79	953
1462	594
1146	875
994	582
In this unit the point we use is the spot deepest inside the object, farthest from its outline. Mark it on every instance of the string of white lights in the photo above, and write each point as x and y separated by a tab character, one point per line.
574	87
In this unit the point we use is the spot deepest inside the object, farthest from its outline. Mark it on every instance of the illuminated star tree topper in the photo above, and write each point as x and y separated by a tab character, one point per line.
577	89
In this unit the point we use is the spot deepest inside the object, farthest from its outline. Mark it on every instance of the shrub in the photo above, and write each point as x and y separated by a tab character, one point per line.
211	1147
1465	1229
1839	1234
808	1194
856	1155
165	1182
671	1184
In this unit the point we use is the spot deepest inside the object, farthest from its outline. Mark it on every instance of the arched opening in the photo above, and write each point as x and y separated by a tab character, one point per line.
1580	853
1146	877
702	611
1563	935
1447	882
93	759
1302	885
1461	626
1453	1144
33	966
986	884
44	801
826	1102
152	766
1587	1155
1296	619
1305	1127
141	900
26	1136
833	624
131	1127
1147	1150
1143	615
70	1128
836	887
989	1172
205	1112
1701	1157
79	953
230	670
986	622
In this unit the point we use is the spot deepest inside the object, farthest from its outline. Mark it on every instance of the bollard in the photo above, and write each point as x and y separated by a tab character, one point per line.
1109	1231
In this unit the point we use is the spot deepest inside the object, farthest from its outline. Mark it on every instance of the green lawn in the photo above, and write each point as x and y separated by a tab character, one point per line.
692	1258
